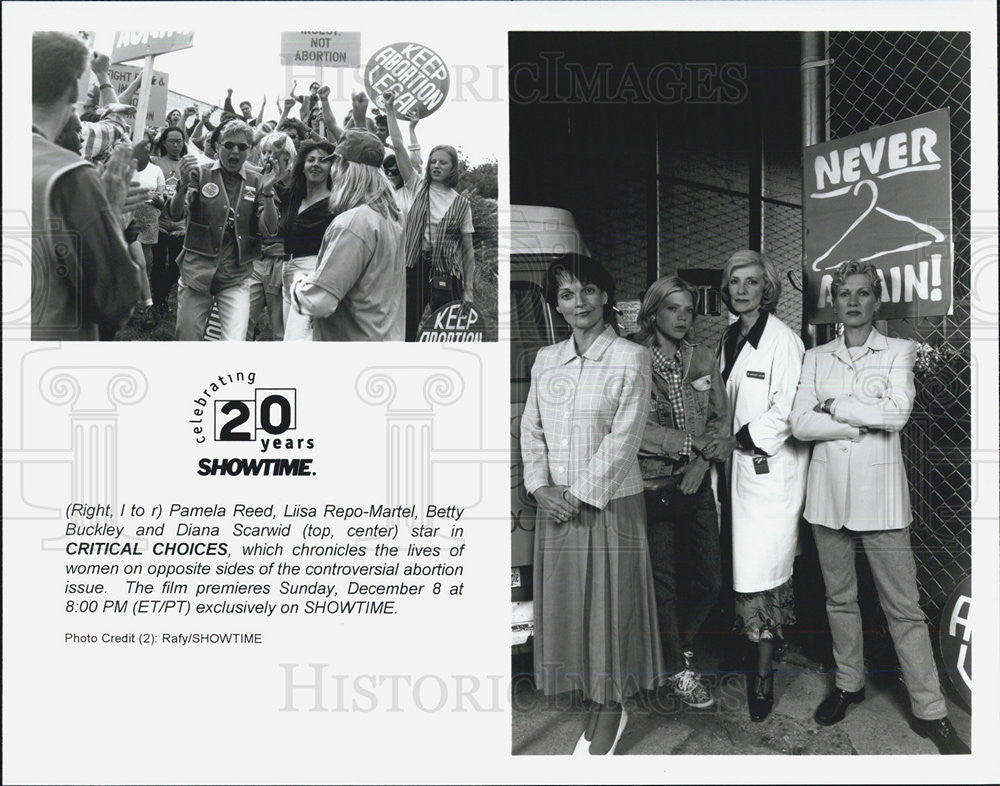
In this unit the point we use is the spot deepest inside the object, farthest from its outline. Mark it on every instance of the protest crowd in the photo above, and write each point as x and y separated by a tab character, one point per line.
222	224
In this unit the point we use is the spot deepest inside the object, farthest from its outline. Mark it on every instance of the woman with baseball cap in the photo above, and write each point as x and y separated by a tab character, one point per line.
356	291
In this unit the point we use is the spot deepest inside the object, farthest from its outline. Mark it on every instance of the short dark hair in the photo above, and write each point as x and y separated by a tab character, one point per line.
586	271
57	62
298	125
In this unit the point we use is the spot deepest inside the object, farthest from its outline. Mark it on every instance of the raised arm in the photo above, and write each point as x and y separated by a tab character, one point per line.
333	128
99	64
414	148
289	103
406	169
128	92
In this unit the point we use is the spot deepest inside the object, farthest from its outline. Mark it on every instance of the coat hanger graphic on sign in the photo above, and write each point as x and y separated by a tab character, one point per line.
936	235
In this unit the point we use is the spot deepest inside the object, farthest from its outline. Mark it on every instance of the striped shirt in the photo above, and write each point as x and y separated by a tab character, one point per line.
100	138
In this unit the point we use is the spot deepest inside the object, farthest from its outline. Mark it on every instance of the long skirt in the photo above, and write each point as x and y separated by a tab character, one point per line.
595	607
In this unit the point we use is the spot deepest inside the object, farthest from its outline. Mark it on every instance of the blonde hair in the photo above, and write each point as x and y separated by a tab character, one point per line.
853	267
280	141
359	184
772	282
659	291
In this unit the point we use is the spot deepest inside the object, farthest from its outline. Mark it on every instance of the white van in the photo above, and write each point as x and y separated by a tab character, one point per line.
539	236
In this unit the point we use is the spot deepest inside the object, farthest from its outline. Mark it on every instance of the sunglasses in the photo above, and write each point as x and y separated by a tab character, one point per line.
390	170
241	146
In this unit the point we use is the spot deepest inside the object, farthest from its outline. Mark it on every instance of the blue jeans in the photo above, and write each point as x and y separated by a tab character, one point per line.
683	536
895	574
298	327
194	308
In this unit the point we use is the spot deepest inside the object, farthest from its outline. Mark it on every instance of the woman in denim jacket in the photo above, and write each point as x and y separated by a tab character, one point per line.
688	411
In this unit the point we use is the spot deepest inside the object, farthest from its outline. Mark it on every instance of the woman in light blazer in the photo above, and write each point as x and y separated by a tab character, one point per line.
855	395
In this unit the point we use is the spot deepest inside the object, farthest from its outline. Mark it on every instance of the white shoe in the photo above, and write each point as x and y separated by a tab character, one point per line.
621	730
582	745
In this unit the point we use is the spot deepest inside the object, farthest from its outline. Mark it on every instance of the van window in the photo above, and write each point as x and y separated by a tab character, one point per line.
532	327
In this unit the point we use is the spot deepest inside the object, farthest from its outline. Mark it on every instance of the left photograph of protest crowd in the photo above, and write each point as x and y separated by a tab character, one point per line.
321	202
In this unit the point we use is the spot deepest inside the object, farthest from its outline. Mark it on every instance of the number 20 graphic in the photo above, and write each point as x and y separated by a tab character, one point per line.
272	410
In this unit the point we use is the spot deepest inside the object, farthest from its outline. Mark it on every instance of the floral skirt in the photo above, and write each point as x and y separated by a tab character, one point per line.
762	615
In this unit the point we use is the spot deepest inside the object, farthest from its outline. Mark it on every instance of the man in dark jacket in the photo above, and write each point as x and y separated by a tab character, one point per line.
83	281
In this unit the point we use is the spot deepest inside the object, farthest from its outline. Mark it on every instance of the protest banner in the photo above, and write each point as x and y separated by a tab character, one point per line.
453	322
882	196
121	76
339	50
133	45
413	73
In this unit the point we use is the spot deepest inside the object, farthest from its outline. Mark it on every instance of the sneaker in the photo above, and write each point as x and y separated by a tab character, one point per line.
689	689
147	318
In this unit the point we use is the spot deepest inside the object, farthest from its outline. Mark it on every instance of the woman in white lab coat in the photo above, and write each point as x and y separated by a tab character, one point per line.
761	359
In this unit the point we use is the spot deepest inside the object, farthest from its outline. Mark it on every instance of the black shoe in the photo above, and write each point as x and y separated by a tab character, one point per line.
834	707
760	695
942	734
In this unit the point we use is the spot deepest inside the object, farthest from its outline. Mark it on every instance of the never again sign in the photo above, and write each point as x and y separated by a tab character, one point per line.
882	196
414	74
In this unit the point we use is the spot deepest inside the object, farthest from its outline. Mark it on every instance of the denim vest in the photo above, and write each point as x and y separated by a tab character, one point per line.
207	216
704	410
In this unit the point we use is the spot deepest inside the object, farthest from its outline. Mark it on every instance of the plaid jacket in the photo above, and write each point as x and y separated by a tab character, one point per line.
584	417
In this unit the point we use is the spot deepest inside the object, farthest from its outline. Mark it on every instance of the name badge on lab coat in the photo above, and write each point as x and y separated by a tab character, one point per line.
760	465
756	375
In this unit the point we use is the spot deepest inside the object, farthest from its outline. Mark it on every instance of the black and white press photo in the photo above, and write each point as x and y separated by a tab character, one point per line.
328	189
741	323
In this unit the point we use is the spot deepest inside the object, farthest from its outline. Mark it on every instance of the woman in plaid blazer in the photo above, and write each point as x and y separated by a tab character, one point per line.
595	610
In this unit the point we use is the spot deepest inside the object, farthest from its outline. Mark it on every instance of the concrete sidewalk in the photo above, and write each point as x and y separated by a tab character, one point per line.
660	724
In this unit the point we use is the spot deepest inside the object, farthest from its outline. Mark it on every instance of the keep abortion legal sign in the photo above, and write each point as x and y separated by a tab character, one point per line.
882	196
416	76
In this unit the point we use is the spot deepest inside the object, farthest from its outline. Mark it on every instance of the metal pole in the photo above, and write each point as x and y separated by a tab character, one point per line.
144	90
813	124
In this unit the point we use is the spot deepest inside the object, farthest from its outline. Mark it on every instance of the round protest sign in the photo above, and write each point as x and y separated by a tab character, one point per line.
453	322
413	73
955	635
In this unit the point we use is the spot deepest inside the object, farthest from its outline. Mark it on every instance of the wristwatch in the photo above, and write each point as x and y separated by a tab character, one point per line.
826	406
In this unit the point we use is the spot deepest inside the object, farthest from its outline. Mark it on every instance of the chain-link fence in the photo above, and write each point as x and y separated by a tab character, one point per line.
705	215
877	78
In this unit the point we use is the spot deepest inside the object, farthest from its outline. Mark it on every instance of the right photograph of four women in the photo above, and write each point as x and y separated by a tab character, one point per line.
741	497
